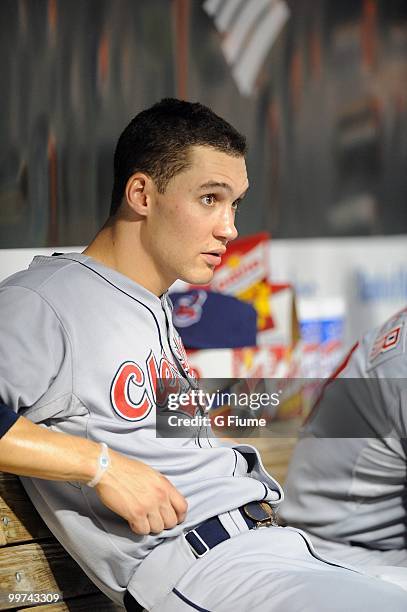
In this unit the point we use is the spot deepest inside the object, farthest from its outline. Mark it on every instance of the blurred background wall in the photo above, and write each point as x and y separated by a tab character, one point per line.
318	87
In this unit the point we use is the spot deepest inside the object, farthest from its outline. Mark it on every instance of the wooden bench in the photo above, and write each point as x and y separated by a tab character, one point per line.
32	561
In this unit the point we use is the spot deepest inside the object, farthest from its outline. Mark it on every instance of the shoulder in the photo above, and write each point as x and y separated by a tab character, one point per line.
54	280
42	271
37	291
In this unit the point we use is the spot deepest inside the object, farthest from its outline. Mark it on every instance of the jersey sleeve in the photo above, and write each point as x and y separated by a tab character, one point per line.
386	357
368	397
32	347
7	419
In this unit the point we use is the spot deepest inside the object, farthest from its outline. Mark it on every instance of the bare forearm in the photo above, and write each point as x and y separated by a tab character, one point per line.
132	489
30	450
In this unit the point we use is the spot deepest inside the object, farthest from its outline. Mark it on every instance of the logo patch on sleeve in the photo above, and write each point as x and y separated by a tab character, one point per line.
386	342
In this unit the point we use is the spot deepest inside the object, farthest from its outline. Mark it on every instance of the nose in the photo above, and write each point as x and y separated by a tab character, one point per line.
225	228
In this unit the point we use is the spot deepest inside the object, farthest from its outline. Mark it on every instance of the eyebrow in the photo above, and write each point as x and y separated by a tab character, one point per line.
214	184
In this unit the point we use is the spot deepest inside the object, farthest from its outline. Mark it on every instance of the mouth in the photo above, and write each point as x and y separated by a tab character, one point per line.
213	258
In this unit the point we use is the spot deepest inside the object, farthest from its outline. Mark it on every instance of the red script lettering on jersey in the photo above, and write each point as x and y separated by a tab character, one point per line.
133	394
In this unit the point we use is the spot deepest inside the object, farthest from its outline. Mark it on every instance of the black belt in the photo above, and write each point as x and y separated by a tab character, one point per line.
211	532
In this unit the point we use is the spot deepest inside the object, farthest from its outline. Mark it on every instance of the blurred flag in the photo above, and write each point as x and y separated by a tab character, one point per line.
249	29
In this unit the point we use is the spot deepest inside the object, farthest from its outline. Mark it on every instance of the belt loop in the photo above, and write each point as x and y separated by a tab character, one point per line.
189	538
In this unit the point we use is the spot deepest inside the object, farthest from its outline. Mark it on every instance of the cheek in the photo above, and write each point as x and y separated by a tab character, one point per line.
175	236
172	216
182	223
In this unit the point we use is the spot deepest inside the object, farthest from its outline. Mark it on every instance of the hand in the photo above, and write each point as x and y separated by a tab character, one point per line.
141	495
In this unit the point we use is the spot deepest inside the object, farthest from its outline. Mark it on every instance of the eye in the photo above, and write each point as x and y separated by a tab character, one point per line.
235	205
209	199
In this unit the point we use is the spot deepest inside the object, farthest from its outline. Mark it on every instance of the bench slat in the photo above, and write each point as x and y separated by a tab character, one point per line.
82	604
19	520
44	567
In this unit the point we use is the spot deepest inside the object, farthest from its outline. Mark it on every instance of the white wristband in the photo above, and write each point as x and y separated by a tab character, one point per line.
103	464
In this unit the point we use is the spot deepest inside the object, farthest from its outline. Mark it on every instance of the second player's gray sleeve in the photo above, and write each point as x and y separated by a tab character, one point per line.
347	478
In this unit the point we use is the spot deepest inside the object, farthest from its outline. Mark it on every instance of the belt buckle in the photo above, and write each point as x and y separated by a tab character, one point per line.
260	512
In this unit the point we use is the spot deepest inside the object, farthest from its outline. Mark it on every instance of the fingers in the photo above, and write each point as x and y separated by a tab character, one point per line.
155	521
167	511
174	500
168	517
140	525
179	504
161	517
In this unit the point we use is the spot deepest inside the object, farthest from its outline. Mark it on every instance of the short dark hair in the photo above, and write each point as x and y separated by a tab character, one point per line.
157	142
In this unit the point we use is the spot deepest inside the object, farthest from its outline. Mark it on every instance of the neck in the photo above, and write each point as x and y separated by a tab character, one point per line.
118	245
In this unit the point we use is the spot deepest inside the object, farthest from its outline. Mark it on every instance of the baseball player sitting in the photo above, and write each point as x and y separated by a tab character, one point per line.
168	524
347	483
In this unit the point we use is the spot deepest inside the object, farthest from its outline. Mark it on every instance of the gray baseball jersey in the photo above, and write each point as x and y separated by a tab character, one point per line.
81	348
347	478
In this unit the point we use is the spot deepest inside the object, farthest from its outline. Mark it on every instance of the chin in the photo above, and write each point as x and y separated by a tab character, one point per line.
198	277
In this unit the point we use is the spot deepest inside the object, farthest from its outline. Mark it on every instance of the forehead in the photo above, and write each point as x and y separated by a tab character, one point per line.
208	164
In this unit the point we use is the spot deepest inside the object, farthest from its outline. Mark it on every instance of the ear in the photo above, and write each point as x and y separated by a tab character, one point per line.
138	193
